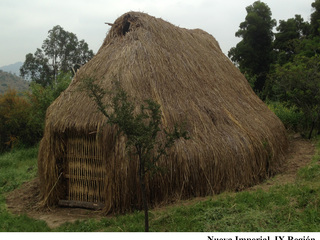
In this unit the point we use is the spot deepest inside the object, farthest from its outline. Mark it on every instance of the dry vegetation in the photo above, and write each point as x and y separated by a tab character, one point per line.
236	141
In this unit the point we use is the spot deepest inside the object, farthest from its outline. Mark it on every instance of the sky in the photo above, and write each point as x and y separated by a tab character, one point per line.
24	24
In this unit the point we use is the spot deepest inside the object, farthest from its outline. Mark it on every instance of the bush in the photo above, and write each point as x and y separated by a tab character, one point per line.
292	118
22	117
297	83
14	116
40	99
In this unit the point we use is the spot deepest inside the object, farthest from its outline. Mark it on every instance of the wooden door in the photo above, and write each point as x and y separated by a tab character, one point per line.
85	171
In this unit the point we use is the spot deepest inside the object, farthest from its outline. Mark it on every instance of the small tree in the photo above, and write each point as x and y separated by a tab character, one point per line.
142	130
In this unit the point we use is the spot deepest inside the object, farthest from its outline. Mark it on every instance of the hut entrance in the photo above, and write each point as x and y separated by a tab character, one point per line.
85	172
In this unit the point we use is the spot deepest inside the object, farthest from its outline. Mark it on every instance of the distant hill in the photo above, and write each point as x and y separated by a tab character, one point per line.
9	80
13	68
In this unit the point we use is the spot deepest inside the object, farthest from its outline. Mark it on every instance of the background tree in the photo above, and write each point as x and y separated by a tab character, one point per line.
60	52
142	130
36	68
253	54
315	18
288	37
298	84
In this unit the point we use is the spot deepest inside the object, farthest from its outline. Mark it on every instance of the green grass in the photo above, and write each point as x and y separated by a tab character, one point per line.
17	167
282	208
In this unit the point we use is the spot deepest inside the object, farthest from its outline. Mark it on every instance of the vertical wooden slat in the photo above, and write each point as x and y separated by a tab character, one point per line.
75	169
80	150
85	169
85	177
83	150
101	175
71	166
68	163
87	146
71	170
97	174
91	170
96	169
95	193
88	175
75	183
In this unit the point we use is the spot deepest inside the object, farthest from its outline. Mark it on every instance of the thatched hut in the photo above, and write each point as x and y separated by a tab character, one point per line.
236	141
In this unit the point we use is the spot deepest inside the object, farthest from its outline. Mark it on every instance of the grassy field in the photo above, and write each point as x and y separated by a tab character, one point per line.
17	167
286	208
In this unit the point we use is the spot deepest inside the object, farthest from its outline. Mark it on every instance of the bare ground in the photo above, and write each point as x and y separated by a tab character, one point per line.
24	200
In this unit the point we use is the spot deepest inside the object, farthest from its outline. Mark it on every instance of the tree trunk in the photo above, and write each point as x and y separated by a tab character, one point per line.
145	205
143	193
312	127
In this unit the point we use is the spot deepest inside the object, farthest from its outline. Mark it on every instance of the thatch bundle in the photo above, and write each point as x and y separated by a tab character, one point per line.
236	141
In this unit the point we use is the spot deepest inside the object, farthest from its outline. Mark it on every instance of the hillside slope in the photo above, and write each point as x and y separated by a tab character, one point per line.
9	80
12	68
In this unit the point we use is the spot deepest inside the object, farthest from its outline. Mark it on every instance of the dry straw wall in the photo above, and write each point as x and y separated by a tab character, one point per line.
236	141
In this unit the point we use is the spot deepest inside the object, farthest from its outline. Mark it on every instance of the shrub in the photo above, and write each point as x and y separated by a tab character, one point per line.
14	115
22	116
40	99
292	118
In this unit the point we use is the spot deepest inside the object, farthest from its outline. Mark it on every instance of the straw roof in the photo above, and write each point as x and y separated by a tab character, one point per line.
236	141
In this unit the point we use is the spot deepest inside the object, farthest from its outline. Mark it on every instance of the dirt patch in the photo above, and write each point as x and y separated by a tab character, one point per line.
300	154
25	199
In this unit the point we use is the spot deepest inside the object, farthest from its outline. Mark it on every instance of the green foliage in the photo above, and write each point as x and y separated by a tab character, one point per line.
36	68
308	47
315	18
22	117
292	118
13	120
288	37
284	69
298	84
253	53
61	52
40	99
